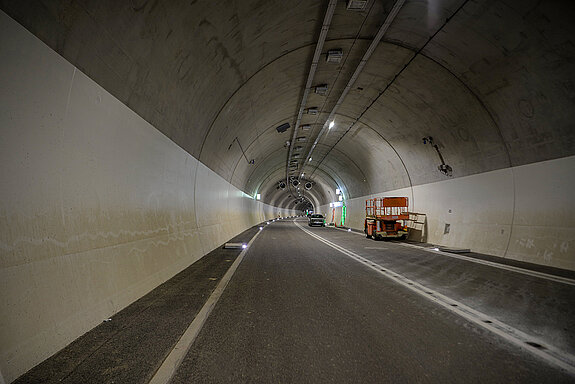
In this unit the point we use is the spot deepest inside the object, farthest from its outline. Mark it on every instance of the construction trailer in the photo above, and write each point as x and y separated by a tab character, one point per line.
386	217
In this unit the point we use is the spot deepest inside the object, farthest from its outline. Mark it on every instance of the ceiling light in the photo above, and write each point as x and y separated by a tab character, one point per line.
309	159
356	5
321	89
331	124
334	55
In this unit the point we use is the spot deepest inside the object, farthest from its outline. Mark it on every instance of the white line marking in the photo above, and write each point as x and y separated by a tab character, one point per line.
170	365
541	275
548	352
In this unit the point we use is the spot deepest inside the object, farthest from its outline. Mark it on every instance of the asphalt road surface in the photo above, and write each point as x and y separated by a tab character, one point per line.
320	305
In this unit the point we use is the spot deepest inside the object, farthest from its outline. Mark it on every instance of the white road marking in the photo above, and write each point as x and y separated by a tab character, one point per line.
547	352
541	275
170	365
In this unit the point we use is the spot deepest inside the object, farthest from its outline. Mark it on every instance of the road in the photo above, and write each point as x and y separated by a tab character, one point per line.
314	305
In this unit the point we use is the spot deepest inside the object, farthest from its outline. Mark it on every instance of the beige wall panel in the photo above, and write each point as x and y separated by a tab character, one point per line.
544	224
96	206
478	209
524	213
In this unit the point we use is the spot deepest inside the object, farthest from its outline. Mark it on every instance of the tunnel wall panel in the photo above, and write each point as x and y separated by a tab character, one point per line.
523	213
97	207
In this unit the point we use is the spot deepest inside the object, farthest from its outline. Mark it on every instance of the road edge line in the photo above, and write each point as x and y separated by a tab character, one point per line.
172	362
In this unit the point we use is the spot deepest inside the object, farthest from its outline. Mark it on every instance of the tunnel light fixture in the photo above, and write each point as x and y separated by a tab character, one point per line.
312	111
301	139
356	5
261	228
334	55
337	191
309	159
258	196
349	229
340	198
331	124
305	127
321	89
235	245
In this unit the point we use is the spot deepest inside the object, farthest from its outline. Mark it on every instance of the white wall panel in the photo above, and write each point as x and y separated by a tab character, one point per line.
97	207
524	213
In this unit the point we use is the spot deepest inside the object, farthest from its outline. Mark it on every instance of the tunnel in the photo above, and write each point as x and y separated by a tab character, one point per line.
138	137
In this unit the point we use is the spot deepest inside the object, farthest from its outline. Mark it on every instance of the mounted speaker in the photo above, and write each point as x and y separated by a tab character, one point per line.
308	185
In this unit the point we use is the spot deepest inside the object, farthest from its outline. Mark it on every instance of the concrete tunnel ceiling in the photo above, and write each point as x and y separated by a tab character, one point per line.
490	81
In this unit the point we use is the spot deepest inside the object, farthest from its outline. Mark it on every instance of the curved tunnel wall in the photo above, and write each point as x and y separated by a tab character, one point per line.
518	213
97	207
74	187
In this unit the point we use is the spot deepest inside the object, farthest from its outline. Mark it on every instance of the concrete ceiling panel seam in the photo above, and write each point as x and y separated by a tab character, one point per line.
226	103
372	47
347	160
321	185
331	88
419	52
318	49
274	174
399	73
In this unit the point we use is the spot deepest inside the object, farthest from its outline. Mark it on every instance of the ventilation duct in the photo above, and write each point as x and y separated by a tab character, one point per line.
282	128
295	183
308	185
282	185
